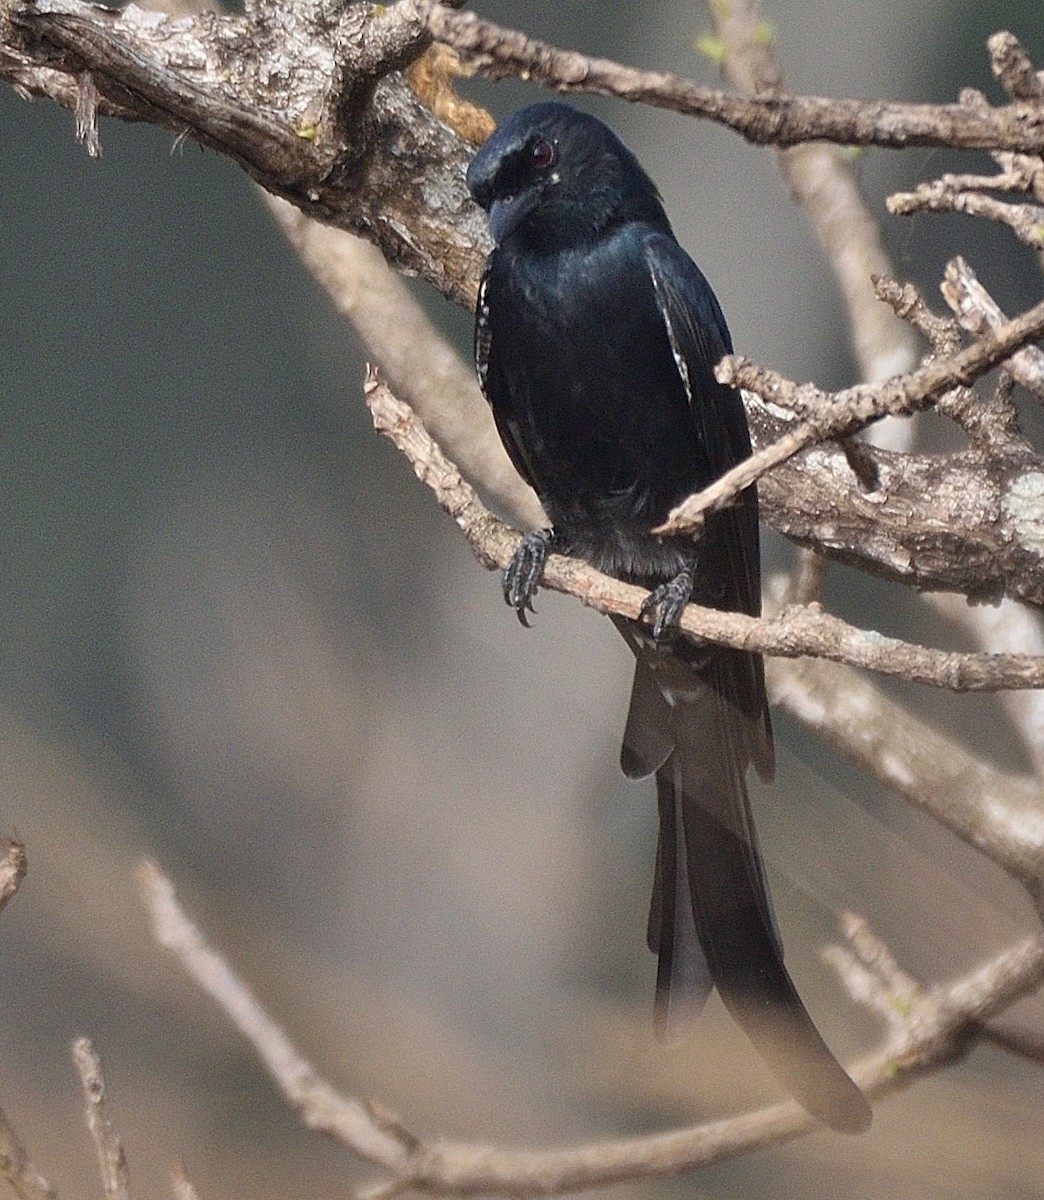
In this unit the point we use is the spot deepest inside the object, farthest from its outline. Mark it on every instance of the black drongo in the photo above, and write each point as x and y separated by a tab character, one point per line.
596	338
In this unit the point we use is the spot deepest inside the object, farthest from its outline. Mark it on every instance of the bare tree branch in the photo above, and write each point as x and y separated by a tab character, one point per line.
1008	628
992	422
940	1026
831	416
26	1181
977	312
963	522
1012	66
951	193
776	120
872	975
399	335
182	1186
275	97
15	1166
307	98
996	814
313	111
820	179
795	632
13	868
318	1105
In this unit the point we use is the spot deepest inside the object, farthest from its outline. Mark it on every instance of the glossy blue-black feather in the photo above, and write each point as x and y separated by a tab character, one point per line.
596	338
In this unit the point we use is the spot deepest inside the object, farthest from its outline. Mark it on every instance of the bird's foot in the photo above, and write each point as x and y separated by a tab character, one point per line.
664	604
522	574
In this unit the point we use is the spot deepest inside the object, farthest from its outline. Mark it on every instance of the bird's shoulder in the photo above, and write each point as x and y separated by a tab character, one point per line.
685	297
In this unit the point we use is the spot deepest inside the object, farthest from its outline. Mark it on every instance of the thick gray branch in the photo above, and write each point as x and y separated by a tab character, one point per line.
310	112
965	522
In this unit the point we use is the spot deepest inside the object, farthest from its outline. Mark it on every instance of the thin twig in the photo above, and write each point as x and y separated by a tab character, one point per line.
996	814
1013	67
315	1101
846	412
15	1166
992	423
13	868
26	1181
978	312
180	1184
794	632
1026	221
111	1160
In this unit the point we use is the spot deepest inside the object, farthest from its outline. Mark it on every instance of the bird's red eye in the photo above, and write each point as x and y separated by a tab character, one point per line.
543	154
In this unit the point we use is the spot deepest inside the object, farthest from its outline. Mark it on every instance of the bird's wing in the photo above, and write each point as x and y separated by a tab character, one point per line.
699	339
489	369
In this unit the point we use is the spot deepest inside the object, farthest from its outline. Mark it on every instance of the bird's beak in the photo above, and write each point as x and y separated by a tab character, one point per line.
507	213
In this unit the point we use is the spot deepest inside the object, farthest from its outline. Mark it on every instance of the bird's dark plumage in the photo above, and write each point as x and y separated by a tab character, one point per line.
596	337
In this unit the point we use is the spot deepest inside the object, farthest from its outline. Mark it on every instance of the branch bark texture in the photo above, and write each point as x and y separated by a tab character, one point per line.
797	631
313	104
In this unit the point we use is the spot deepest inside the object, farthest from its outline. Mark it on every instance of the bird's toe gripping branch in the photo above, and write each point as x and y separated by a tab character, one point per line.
664	604
522	574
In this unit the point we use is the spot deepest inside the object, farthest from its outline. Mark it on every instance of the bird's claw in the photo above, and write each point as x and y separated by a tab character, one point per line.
664	604
522	574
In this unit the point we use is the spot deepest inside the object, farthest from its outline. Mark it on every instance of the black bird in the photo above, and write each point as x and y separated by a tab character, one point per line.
595	341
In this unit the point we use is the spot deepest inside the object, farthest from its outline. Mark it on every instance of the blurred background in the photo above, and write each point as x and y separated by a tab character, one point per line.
239	637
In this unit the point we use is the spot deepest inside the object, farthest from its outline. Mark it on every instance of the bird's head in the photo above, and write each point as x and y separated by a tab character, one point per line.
554	177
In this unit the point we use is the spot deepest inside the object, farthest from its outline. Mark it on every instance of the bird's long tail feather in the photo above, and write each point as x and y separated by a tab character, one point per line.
711	920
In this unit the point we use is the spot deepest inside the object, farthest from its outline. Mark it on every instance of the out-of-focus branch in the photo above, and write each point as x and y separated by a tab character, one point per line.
1007	628
997	814
13	867
182	1186
871	973
111	1160
767	120
26	1181
423	366
794	632
365	1131
15	1166
821	180
941	1024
